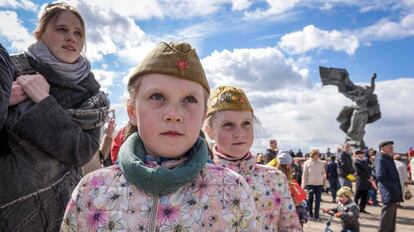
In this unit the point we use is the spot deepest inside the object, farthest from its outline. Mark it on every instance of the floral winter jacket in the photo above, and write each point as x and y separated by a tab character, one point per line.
274	204
217	200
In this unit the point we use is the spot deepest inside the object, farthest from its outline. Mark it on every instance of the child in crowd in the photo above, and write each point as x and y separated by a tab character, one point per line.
298	194
230	123
346	210
163	181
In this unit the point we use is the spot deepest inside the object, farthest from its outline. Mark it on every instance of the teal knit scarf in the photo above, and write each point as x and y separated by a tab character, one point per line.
159	181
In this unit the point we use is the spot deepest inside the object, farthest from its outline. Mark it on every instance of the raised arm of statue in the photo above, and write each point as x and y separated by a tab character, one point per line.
373	81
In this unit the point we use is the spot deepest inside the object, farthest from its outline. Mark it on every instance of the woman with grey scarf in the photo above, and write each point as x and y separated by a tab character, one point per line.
52	124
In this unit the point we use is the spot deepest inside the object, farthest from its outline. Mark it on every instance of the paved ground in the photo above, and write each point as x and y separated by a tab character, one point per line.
368	222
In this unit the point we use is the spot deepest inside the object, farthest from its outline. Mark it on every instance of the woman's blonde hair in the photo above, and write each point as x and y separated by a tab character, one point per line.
286	170
314	152
52	12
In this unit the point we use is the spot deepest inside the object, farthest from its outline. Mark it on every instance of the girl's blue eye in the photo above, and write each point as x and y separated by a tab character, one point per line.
228	124
78	33
190	99
157	97
246	123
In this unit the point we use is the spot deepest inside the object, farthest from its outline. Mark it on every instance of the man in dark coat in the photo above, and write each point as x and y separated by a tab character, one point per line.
345	166
271	152
332	175
362	169
389	185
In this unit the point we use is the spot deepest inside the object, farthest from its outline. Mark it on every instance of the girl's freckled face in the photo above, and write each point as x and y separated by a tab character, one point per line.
169	112
233	132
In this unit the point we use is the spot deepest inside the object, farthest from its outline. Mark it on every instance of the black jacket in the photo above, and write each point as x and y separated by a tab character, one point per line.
345	165
270	155
363	174
45	152
6	79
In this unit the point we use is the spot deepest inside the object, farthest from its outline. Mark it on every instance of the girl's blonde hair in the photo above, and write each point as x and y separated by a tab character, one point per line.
313	152
52	12
286	170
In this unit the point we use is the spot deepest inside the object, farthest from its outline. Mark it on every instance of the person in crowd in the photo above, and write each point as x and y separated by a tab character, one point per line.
410	155
332	176
118	141
120	138
292	154
363	183
102	154
299	153
328	153
373	189
389	185
345	168
260	158
297	170
163	181
402	173
230	124
272	151
313	180
346	210
54	117
298	194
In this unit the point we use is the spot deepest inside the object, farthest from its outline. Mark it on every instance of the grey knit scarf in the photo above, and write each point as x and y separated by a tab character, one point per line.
75	72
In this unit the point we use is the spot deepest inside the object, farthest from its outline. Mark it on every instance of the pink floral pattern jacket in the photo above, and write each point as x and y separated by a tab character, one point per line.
217	200
270	191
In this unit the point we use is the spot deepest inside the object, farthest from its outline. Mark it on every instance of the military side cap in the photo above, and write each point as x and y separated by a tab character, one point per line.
228	98
384	143
175	58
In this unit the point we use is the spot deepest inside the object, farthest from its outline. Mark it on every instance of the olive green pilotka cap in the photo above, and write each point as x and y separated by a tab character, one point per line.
228	98
175	58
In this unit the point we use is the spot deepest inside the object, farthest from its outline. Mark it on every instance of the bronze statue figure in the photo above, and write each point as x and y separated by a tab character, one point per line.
353	118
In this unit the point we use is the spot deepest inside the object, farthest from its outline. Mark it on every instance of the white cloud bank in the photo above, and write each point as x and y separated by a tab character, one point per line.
12	29
307	119
313	38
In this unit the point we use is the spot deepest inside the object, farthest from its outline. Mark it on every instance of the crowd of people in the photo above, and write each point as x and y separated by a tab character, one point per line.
373	172
63	170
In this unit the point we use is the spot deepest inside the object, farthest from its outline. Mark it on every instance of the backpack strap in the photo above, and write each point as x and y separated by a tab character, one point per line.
21	65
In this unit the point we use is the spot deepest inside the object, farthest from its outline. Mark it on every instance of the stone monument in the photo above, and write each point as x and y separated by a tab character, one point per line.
353	118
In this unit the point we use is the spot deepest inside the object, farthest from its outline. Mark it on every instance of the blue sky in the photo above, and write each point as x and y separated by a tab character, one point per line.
272	49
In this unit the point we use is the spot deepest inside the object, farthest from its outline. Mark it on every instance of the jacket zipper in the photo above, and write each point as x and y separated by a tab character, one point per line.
153	214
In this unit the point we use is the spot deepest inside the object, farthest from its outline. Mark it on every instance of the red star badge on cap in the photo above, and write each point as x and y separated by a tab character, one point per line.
182	64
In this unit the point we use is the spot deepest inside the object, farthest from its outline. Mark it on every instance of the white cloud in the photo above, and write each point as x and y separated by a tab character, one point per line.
275	7
387	30
262	69
326	7
137	9
104	77
190	8
241	4
313	38
307	118
12	29
110	32
24	4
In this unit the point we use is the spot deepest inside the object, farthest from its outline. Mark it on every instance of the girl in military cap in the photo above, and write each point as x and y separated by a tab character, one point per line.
163	181
230	123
